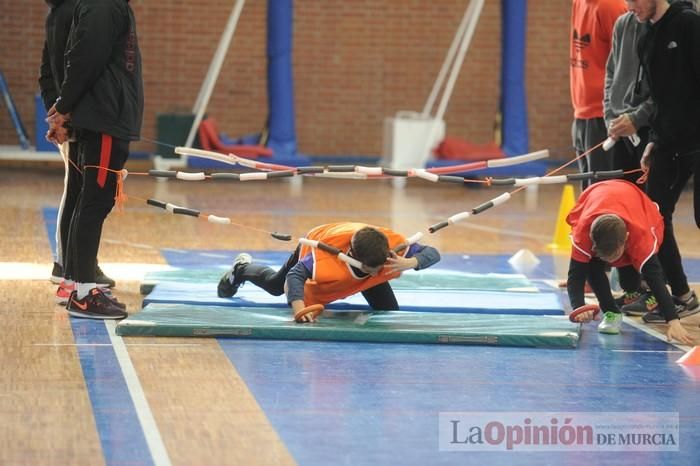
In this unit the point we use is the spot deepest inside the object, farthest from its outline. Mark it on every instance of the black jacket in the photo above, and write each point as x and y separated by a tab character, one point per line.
669	52
102	87
58	23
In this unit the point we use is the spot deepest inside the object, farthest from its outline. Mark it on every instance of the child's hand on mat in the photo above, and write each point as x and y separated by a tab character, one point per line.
306	314
677	332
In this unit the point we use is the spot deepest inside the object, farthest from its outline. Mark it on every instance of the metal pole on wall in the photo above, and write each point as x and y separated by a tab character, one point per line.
214	69
459	35
473	13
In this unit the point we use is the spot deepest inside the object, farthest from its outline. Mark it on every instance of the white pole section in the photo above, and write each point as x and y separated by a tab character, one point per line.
456	66
214	69
468	13
463	47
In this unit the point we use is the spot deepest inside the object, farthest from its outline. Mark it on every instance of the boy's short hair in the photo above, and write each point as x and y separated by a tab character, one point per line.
370	246
608	234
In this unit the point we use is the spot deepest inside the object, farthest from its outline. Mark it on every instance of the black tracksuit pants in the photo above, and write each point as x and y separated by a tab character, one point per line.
94	200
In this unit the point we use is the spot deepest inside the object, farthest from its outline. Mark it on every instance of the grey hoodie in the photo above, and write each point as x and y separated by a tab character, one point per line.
622	94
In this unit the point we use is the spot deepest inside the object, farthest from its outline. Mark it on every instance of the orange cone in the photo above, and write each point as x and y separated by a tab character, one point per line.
691	358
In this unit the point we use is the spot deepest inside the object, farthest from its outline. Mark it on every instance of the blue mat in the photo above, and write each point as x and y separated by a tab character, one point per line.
434	279
453	301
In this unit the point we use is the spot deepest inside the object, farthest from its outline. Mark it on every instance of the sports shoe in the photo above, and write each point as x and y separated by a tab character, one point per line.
56	273
689	306
628	298
64	291
612	321
684	308
100	278
229	284
94	306
645	303
103	280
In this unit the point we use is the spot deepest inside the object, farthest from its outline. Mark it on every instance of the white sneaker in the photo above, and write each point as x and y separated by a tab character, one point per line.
612	321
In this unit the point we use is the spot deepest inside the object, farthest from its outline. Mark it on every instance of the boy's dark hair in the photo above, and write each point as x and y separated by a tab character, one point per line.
370	246
608	234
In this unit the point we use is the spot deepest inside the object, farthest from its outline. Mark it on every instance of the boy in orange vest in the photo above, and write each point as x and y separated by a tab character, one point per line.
314	276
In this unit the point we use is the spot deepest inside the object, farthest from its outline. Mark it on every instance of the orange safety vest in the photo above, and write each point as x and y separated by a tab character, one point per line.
645	224
333	279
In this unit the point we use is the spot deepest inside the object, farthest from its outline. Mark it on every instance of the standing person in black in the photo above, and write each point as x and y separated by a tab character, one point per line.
102	99
669	52
58	23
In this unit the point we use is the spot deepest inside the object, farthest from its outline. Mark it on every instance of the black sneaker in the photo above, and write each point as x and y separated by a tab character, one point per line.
645	303
628	298
684	308
94	306
103	280
229	284
689	306
56	274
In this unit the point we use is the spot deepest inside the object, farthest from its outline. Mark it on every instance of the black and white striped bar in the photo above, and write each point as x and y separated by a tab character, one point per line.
409	241
331	250
362	172
178	210
601	175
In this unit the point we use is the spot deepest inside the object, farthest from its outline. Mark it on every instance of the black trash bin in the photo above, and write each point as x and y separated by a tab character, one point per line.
173	128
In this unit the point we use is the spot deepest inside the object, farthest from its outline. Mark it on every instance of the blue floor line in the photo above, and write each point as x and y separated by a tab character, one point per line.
49	214
121	436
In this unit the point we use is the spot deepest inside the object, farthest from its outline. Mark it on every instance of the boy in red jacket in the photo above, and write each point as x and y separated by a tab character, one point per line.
615	222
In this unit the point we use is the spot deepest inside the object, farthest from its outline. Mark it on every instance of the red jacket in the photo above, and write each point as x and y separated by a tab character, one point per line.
645	224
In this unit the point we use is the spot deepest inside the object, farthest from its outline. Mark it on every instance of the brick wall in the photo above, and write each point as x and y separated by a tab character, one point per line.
355	62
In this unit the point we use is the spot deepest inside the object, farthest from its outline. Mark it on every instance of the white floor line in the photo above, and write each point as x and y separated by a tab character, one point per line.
143	410
645	351
653	333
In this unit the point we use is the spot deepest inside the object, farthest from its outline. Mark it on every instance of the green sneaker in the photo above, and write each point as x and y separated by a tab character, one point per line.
612	321
645	302
628	298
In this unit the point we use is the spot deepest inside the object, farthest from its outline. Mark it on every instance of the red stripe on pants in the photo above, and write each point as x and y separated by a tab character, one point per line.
105	154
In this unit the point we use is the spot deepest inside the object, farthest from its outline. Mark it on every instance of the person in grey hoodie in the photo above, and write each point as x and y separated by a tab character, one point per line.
627	103
627	107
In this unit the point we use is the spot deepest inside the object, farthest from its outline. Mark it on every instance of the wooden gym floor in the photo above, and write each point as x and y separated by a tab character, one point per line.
201	404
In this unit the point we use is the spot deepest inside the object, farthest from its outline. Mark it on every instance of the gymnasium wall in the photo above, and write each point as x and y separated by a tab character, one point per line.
355	62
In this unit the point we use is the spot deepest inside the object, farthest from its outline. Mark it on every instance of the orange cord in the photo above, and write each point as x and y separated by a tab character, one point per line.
120	197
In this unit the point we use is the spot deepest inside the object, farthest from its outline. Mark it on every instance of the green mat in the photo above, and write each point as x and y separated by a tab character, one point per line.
178	320
432	279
